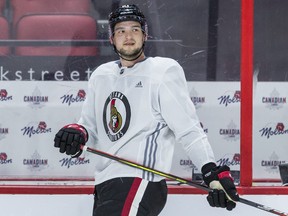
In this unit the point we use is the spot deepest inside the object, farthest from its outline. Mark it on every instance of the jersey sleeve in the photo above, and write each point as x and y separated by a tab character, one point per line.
88	116
178	111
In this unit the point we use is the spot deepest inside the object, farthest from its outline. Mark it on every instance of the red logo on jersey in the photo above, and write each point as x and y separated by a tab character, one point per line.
116	116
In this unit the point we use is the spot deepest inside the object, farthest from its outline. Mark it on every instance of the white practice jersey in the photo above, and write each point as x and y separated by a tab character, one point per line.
142	113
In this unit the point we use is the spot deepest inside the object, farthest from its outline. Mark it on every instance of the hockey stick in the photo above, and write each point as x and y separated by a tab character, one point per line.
177	178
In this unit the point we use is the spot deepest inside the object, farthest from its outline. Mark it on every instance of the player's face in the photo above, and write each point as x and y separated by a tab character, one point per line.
128	38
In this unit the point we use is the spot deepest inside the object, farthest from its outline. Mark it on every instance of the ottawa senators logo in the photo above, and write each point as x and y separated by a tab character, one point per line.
116	116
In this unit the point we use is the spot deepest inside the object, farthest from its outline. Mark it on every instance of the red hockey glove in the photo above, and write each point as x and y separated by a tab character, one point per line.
219	179
69	138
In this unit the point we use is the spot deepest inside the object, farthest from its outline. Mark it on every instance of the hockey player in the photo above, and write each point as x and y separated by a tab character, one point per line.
138	108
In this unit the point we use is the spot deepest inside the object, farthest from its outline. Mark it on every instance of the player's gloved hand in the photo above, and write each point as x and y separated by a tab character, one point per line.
69	138
219	179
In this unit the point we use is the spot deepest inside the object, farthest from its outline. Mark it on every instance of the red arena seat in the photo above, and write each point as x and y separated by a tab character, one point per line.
4	34
56	27
2	6
23	7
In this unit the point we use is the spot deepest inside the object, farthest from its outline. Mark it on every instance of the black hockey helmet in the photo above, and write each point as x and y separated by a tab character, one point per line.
127	13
